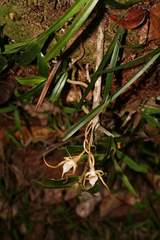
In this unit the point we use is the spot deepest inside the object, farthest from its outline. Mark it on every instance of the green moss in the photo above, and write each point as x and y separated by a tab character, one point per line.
16	29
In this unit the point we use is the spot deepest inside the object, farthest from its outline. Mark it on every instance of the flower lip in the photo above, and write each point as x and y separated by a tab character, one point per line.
69	165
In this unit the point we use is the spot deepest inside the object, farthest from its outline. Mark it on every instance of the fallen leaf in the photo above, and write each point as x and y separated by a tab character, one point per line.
12	16
87	204
133	19
154	30
6	91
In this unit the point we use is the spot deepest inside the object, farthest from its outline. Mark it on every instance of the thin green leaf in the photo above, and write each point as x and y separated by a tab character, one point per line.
13	138
3	63
42	66
113	62
132	164
111	145
15	47
32	50
17	121
72	149
124	178
126	65
62	182
7	109
30	80
115	4
58	88
77	23
152	110
94	189
101	66
49	186
75	187
68	110
32	92
133	227
151	120
82	122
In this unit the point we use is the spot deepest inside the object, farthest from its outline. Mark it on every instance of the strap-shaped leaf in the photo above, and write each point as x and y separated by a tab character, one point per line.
100	68
30	80
113	62
126	65
42	66
124	178
13	138
132	164
32	50
152	110
77	23
15	47
94	189
32	92
58	88
10	108
62	182
153	121
17	121
49	186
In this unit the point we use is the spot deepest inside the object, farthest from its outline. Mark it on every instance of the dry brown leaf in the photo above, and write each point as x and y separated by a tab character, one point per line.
154	30
110	203
133	19
6	91
87	205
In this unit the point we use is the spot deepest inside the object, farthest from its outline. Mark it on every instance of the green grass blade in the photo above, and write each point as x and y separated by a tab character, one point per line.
113	62
124	178
32	50
77	23
50	186
15	47
30	80
62	182
7	109
134	78
58	88
13	138
126	65
153	121
132	164
17	121
42	66
101	66
32	92
152	110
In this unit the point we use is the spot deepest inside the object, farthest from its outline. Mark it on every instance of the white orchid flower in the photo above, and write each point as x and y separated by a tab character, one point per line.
68	163
93	175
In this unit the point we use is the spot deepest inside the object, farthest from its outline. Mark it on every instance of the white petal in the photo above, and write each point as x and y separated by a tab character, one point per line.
93	179
66	167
